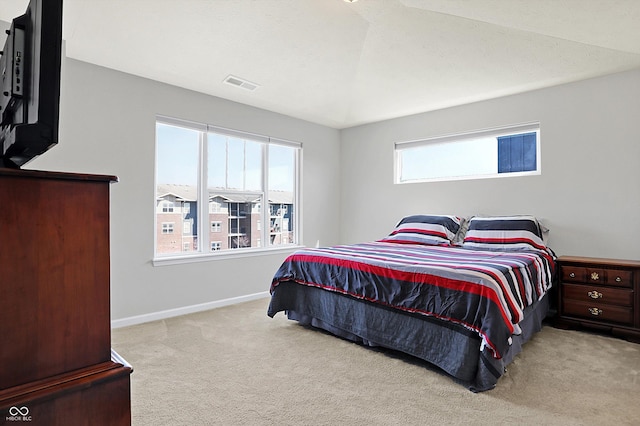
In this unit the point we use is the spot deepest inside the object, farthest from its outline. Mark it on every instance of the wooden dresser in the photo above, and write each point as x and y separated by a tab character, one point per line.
56	362
602	294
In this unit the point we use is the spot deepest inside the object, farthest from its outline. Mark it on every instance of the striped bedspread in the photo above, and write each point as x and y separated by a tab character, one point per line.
485	291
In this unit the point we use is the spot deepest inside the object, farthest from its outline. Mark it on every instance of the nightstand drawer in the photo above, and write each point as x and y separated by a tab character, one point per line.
598	311
595	294
619	277
597	276
574	274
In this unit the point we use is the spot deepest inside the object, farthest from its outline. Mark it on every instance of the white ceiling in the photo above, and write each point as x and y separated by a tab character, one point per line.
342	64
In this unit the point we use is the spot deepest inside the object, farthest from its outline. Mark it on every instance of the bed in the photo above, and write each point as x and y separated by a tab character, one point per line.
462	295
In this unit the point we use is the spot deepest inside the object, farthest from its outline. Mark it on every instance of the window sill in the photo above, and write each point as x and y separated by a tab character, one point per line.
225	255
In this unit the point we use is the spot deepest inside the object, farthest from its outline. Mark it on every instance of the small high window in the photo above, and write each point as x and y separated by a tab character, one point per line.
509	151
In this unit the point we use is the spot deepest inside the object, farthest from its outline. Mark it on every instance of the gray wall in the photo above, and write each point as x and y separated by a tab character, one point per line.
587	195
107	126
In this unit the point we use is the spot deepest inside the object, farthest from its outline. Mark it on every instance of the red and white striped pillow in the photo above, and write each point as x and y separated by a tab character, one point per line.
439	230
504	233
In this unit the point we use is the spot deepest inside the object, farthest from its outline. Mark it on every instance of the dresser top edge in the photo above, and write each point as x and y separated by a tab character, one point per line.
599	261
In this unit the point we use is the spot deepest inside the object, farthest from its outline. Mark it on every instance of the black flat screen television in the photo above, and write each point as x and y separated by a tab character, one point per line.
30	83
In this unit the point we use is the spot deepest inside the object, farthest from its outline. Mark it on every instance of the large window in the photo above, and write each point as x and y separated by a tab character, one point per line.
219	185
509	151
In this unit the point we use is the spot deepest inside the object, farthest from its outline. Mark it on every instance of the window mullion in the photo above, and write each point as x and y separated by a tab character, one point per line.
266	208
226	162
297	201
204	245
244	165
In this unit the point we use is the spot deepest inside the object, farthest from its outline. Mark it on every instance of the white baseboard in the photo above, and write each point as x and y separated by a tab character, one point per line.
154	316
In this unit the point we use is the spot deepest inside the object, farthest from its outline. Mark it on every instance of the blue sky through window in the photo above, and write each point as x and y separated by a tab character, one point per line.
233	163
177	155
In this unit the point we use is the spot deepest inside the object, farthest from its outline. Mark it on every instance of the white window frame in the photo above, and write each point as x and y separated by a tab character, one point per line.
204	239
460	137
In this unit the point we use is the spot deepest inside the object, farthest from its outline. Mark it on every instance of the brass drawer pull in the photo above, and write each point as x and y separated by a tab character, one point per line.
572	275
594	294
595	311
595	276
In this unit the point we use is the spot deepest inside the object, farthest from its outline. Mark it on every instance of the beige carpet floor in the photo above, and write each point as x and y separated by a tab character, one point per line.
236	366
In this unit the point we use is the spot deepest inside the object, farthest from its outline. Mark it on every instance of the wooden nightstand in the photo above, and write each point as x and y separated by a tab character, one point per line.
602	294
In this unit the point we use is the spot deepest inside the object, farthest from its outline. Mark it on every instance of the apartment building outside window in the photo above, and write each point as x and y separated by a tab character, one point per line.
212	183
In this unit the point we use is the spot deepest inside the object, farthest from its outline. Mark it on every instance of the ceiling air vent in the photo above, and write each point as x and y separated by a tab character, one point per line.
240	82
